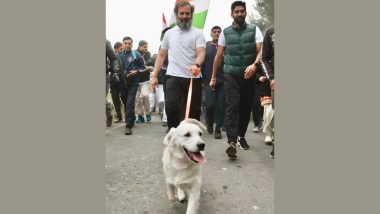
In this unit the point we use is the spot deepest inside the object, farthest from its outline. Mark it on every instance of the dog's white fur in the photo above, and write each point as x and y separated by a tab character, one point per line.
183	176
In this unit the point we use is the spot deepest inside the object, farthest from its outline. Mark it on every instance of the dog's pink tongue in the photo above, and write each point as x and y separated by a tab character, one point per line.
199	157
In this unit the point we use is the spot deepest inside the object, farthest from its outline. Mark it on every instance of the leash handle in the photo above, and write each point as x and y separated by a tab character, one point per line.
189	99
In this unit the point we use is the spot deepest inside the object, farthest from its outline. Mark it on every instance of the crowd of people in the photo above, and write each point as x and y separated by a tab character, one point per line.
232	76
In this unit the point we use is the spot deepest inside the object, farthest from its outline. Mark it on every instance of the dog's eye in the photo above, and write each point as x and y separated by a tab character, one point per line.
200	133
187	134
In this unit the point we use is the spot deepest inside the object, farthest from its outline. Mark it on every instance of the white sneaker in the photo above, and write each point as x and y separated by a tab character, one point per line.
255	129
268	139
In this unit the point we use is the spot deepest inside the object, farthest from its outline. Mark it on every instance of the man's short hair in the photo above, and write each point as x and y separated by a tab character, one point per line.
117	45
127	38
142	42
183	3
237	3
216	27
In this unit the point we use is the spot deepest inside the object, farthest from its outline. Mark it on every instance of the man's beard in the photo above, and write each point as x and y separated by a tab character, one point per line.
184	25
239	20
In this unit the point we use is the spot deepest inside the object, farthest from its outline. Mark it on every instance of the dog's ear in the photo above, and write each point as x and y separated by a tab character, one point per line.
169	136
194	121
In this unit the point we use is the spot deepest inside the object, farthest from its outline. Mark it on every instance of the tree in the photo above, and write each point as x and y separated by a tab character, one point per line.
265	16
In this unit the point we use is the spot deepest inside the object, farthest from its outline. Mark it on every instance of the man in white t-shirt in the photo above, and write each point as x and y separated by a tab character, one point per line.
240	45
186	50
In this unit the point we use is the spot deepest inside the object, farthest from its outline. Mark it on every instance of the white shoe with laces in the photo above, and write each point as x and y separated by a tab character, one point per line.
268	139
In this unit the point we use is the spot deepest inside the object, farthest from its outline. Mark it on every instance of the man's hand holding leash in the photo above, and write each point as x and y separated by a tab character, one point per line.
194	69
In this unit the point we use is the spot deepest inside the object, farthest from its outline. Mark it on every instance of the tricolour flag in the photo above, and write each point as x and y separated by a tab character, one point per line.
164	26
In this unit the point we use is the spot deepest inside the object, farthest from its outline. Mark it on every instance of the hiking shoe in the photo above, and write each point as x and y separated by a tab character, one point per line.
128	131
243	143
268	140
255	129
218	134
272	152
140	119
148	118
210	129
231	151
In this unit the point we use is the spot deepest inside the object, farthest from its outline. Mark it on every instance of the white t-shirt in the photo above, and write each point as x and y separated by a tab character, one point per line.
258	36
181	46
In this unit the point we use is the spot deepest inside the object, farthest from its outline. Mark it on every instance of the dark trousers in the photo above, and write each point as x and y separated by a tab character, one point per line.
239	94
176	89
215	106
119	95
257	109
130	104
108	104
203	105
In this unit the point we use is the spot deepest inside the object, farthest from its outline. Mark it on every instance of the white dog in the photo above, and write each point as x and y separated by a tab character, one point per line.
183	155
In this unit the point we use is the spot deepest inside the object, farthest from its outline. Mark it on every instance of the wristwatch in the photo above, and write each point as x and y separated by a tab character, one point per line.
196	64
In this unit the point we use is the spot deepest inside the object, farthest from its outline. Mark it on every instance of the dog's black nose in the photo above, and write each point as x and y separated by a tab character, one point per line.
201	146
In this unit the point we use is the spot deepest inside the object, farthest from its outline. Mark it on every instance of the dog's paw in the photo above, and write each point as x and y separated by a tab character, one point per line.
181	195
182	201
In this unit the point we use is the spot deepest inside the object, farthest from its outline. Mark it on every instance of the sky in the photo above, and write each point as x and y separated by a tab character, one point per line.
142	19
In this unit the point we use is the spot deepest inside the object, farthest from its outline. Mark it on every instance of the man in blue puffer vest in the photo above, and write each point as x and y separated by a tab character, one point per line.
240	44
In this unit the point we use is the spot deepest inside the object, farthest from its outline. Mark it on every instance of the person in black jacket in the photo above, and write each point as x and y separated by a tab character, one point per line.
118	89
265	99
112	74
160	90
268	65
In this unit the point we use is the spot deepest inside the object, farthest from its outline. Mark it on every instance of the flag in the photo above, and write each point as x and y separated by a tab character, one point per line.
199	16
164	26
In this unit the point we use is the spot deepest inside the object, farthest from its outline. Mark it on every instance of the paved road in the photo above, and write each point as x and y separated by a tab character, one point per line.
135	183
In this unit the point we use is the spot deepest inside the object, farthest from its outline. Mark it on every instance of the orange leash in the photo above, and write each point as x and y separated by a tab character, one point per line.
189	99
189	93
